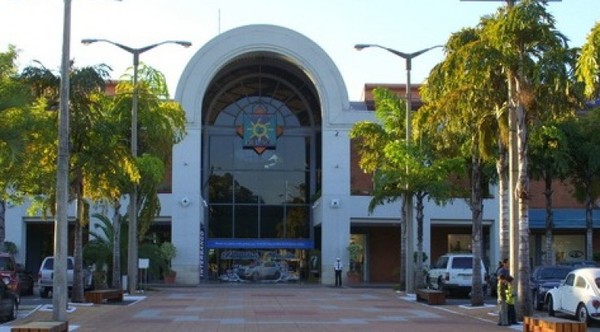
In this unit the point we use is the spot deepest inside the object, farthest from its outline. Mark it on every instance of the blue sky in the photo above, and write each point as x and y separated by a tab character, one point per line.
35	28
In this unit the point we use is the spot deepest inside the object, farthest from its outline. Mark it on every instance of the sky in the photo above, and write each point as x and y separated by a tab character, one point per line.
35	28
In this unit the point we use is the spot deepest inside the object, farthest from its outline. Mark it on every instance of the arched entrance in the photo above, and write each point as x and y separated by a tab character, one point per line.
261	161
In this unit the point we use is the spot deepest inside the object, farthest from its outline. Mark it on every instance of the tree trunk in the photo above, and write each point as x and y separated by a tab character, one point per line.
522	194
2	223
419	279
477	296
549	258
403	237
589	223
116	263
78	275
503	205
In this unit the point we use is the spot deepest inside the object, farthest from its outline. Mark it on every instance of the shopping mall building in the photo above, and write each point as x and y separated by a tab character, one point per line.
266	184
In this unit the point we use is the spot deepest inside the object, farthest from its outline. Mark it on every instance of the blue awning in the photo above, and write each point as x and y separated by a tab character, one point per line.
563	218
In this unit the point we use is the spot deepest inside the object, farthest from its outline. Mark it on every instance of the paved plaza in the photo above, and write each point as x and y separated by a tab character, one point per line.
242	307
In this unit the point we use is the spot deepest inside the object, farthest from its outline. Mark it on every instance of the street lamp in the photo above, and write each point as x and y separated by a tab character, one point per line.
132	251
408	198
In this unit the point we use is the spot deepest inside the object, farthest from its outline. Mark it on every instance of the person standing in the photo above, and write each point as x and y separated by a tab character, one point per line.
510	301
502	301
503	268
337	267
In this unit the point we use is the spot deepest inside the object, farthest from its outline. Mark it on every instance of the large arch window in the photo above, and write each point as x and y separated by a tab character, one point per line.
261	135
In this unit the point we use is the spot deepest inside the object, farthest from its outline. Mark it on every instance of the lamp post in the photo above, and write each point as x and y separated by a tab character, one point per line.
408	218
132	250
61	223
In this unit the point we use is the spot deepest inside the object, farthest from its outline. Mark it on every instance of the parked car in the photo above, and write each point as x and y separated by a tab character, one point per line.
9	301
543	279
46	275
26	280
8	271
264	271
453	273
578	294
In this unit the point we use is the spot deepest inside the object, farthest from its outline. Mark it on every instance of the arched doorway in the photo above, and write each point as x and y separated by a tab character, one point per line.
261	161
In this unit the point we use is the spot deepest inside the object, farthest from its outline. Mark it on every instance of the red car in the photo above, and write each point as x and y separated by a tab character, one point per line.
8	271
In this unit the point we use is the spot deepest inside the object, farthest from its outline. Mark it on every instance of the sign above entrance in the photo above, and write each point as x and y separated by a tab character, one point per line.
259	130
260	243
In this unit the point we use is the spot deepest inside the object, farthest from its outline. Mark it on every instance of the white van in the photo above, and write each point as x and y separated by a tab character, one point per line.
453	273
46	276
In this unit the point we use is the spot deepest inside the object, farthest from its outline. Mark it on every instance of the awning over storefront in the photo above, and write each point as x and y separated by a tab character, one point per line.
563	218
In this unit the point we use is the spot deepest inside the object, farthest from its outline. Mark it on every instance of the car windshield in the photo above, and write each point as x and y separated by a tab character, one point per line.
441	262
50	264
547	274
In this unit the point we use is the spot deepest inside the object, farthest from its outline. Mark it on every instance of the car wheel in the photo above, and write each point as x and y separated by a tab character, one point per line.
12	315
537	305
550	306
44	293
582	313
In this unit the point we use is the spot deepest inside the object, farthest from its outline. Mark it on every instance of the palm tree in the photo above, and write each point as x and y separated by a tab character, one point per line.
9	141
584	148
588	64
87	115
463	112
517	52
549	155
399	169
536	59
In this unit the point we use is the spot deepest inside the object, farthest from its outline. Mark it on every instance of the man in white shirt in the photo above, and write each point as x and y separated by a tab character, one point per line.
337	266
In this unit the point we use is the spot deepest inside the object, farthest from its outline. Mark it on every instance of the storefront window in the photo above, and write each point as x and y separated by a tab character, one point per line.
567	248
269	266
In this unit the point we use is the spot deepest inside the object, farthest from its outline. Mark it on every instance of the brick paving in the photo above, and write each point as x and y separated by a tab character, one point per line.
242	307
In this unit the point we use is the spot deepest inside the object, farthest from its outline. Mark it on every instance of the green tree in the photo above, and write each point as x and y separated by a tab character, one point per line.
101	166
161	125
588	64
584	149
463	115
517	53
19	135
535	57
11	127
549	156
399	168
99	249
86	115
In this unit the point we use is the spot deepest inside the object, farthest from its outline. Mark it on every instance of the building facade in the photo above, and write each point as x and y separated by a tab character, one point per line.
265	186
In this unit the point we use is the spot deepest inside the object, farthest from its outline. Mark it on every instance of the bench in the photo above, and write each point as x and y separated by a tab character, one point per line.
547	324
101	295
431	296
49	326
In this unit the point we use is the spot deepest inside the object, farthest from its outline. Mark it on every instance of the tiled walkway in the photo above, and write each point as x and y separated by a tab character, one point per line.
236	307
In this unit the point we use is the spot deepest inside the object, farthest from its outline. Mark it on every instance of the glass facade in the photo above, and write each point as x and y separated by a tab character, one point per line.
261	160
